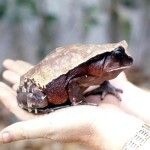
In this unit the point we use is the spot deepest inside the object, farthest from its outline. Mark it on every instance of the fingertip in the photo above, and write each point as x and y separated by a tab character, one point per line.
4	74
25	64
12	133
11	76
7	62
23	130
5	137
15	87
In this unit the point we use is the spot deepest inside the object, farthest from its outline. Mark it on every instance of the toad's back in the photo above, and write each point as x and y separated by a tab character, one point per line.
64	59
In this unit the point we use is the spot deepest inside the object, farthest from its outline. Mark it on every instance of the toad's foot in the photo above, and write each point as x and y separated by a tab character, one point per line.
104	89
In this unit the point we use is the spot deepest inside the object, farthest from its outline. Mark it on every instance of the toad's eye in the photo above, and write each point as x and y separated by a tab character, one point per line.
119	52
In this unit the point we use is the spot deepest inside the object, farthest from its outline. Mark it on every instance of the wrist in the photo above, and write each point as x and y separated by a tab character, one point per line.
113	133
146	145
140	140
135	102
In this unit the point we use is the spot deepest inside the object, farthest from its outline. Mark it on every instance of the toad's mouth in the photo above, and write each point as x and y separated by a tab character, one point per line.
122	64
118	68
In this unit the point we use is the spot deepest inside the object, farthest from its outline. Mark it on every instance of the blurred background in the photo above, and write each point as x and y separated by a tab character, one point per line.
29	29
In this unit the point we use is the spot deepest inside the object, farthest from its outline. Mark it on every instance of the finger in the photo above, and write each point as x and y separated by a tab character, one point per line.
65	125
4	87
25	64
12	77
17	67
15	87
8	99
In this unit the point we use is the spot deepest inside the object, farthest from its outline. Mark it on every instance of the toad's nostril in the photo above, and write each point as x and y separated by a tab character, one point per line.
131	59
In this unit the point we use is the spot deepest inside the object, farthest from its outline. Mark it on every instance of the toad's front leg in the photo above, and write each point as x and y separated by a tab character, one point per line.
104	89
77	86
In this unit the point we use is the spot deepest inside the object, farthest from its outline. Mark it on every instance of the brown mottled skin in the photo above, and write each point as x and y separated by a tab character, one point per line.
68	88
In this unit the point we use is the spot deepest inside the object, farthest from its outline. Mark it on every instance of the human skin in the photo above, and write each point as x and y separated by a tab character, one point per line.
108	126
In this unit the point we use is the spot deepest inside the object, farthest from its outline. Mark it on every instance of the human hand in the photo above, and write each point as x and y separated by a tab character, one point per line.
8	94
135	101
70	119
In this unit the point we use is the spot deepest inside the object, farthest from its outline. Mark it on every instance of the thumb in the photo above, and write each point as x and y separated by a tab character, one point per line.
23	130
63	126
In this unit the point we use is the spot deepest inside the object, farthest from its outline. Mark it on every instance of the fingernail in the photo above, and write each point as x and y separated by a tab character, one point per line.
6	137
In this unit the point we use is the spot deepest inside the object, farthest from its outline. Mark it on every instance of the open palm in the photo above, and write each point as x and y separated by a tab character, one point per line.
83	124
